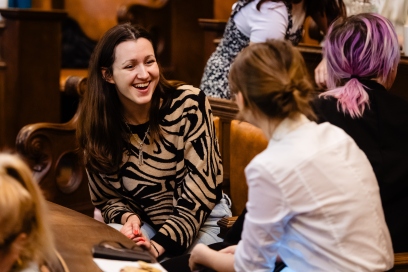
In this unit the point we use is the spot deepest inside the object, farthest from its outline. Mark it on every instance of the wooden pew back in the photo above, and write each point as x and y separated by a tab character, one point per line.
246	141
239	143
51	150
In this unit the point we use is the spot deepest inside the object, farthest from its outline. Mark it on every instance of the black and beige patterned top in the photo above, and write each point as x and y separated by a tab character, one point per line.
215	78
180	181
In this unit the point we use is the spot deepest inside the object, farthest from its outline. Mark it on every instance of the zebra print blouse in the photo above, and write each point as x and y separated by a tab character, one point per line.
180	181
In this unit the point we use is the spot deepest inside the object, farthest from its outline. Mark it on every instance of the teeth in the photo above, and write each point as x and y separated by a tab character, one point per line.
143	85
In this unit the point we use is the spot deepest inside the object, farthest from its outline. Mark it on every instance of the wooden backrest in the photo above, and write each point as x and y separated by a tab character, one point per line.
226	111
246	141
217	126
239	143
51	150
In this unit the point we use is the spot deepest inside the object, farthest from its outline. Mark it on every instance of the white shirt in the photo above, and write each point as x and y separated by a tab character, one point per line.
313	200
270	22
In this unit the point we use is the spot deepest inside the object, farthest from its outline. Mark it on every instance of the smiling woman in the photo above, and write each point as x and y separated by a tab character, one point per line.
150	148
136	75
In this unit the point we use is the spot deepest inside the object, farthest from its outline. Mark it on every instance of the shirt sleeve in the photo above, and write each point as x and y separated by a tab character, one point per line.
264	222
200	189
105	197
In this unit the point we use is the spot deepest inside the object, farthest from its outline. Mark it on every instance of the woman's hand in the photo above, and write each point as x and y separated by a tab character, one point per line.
198	254
321	74
144	242
131	228
154	248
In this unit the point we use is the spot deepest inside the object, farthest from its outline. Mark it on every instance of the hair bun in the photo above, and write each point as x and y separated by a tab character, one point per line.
291	90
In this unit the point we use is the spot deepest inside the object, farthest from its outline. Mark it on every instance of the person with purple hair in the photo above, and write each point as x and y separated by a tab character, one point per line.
362	54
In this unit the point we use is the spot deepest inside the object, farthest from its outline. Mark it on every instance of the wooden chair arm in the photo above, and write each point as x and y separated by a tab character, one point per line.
400	262
225	224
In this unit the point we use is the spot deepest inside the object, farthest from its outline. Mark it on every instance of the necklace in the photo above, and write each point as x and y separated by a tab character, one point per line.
140	153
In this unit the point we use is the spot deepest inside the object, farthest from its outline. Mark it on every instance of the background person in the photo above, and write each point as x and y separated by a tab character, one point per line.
254	21
150	148
313	198
362	55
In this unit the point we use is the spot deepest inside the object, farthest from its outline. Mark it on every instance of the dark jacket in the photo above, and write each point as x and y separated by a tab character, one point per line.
382	133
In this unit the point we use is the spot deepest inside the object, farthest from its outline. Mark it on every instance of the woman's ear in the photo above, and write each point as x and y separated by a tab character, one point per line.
18	245
20	241
13	255
107	75
239	100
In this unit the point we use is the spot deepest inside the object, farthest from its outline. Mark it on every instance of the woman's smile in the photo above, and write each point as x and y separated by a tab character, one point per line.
135	72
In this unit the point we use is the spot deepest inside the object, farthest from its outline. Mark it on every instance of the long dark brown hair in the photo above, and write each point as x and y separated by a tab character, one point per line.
102	133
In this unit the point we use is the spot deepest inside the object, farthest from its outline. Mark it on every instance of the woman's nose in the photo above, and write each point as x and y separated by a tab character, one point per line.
142	72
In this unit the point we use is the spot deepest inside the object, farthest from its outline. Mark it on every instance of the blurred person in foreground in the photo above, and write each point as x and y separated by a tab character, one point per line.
26	242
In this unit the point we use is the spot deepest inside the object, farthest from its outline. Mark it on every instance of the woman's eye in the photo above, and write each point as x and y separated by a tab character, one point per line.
128	66
151	61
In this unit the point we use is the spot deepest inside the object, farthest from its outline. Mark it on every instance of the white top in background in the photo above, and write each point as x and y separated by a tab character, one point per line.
270	22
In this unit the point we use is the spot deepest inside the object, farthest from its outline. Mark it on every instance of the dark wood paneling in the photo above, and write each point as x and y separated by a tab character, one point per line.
52	152
31	48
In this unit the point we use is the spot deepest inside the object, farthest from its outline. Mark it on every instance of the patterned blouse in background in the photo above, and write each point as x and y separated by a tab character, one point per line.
215	78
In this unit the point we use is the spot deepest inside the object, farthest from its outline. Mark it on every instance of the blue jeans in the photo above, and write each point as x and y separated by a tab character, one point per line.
208	234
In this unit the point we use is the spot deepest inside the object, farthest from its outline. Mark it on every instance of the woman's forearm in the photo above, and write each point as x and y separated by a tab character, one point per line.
221	262
202	255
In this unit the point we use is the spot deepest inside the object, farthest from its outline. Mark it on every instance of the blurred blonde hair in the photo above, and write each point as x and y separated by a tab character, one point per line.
23	210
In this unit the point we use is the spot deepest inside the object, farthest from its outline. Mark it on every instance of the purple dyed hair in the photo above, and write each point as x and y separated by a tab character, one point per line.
363	46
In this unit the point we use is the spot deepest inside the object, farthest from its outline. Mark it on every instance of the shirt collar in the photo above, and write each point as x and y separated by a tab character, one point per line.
288	125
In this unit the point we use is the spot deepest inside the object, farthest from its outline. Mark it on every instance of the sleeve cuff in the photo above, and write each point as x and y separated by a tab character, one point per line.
118	217
172	248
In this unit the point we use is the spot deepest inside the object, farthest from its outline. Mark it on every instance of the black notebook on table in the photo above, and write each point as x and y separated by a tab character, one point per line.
125	254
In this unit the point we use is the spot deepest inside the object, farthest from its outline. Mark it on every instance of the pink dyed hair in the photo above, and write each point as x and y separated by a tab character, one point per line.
363	46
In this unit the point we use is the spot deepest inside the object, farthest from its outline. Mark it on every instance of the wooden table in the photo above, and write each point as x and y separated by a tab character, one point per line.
76	233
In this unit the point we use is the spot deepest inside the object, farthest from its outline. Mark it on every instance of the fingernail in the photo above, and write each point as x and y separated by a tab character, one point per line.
136	231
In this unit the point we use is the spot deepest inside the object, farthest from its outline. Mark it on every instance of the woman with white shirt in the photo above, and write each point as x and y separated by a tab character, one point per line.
254	21
313	198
